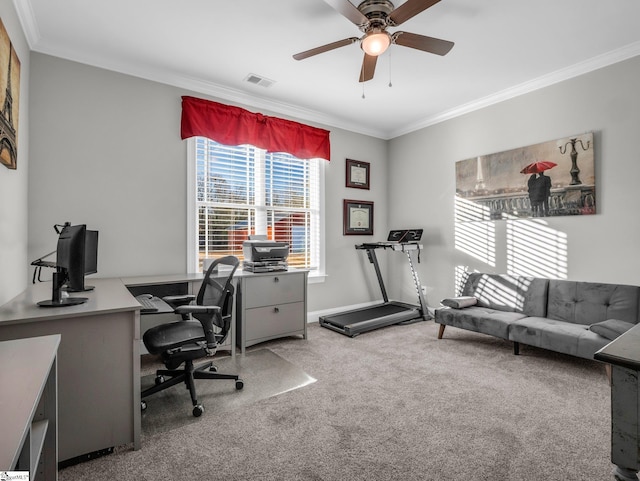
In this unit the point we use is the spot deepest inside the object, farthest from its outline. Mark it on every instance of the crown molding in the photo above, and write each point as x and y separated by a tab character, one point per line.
246	99
580	68
28	21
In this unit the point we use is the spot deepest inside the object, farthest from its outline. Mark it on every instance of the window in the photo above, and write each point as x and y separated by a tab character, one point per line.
237	191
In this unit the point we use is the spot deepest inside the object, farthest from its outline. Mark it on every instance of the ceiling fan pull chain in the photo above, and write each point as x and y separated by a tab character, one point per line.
390	84
363	90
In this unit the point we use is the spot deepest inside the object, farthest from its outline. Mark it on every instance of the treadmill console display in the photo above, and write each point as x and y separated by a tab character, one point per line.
407	235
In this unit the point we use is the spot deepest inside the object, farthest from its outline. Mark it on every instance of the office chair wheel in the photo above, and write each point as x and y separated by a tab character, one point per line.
159	380
239	384
198	410
143	405
213	368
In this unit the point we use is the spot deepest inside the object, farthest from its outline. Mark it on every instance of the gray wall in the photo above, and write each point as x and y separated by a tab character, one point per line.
601	247
106	151
14	209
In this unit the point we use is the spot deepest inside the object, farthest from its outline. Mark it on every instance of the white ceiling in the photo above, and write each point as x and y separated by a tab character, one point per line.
502	48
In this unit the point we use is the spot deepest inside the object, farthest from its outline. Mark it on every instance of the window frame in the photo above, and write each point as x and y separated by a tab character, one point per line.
192	216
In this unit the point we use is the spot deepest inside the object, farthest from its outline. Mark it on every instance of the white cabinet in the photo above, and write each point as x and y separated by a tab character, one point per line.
270	306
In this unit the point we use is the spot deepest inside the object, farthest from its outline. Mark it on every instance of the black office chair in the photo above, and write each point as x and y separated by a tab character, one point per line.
186	340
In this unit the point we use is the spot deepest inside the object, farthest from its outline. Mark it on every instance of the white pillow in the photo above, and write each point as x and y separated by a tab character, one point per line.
459	302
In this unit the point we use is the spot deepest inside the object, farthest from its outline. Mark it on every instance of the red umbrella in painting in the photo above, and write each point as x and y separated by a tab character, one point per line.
537	167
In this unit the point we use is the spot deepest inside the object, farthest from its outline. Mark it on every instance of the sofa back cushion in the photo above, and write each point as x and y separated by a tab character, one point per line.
502	292
590	302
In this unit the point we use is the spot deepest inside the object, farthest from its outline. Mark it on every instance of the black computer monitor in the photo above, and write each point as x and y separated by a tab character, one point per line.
76	255
91	252
80	265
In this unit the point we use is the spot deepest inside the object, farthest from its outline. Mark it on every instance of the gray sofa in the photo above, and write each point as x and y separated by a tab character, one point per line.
576	318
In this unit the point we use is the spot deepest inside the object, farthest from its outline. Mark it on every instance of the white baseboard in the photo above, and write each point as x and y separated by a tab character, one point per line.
315	315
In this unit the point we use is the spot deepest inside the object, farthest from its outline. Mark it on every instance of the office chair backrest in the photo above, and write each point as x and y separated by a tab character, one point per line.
217	290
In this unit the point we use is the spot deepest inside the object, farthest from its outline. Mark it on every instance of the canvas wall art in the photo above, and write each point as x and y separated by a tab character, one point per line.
9	100
553	178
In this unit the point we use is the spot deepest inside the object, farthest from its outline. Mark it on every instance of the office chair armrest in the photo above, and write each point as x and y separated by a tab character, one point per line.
182	300
193	309
206	321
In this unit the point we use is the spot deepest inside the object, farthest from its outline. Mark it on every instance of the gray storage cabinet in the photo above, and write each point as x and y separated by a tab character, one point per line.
270	306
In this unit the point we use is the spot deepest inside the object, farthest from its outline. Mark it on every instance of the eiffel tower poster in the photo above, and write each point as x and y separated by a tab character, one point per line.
9	100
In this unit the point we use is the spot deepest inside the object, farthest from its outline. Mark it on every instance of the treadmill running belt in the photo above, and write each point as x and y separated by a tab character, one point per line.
366	314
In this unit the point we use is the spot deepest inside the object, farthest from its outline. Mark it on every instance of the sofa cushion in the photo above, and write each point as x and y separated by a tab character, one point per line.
549	334
590	302
479	319
590	343
502	292
611	328
459	302
560	336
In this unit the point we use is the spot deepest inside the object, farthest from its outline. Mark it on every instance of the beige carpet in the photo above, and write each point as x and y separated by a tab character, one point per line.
392	404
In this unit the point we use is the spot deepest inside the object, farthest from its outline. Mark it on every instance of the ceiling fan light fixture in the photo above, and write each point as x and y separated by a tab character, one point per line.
375	43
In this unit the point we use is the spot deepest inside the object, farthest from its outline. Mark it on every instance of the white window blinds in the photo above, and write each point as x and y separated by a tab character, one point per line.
242	190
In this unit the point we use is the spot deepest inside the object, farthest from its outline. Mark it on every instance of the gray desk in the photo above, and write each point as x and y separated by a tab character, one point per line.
99	355
98	362
624	356
29	440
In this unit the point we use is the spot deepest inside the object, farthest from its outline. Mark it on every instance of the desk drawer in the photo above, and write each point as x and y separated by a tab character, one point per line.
274	289
273	321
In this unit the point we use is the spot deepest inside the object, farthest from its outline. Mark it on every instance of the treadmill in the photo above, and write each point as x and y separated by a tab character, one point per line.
356	321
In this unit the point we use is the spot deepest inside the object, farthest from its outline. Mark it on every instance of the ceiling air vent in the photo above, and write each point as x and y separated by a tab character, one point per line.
257	80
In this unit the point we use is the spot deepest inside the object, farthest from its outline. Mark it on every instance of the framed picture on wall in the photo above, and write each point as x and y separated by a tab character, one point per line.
357	217
548	179
9	100
357	174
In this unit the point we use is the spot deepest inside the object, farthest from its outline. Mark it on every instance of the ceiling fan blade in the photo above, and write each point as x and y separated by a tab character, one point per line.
325	48
408	10
347	9
368	67
421	42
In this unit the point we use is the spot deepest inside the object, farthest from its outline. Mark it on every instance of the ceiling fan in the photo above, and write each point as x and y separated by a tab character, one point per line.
373	17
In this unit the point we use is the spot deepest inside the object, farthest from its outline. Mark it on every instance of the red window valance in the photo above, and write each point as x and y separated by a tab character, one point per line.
230	125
